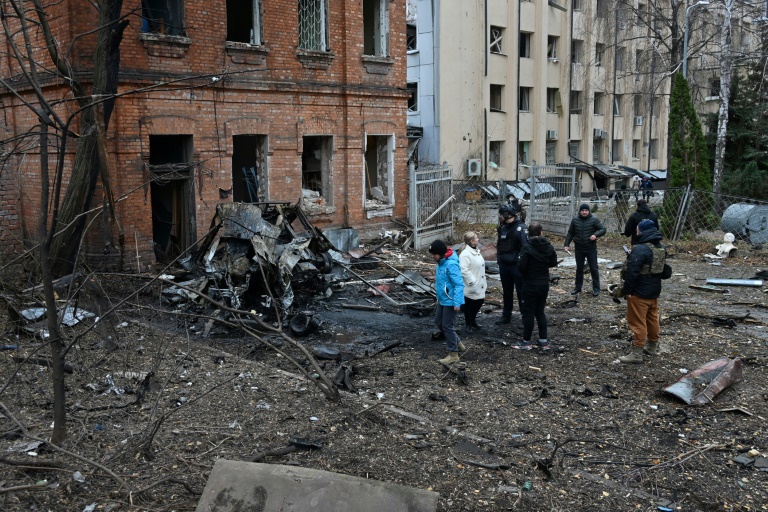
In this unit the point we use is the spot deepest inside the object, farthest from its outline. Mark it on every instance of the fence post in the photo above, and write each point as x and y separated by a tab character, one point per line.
413	208
681	214
534	171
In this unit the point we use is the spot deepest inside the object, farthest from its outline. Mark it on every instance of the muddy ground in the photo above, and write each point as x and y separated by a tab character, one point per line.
568	429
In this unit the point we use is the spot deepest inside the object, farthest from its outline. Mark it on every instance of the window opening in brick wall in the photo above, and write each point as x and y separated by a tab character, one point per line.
313	25
172	186
163	17
497	98
376	28
244	21
249	176
495	149
316	160
411	37
497	39
379	169
413	96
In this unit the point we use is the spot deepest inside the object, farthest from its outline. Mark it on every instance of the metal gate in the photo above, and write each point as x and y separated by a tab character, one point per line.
431	204
552	197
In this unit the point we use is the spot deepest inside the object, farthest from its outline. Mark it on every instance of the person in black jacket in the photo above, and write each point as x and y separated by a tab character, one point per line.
536	258
642	290
511	239
584	231
642	212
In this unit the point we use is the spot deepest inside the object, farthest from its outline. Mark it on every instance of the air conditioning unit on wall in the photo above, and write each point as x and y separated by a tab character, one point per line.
474	167
551	134
599	134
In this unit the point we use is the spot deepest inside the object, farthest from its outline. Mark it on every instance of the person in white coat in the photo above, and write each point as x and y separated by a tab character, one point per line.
473	272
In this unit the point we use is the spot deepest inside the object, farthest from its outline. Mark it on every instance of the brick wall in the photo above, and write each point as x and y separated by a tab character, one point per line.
270	91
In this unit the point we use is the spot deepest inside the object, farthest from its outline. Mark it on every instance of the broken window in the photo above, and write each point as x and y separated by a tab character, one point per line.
637	105
553	100
550	152
313	25
573	149
599	52
576	5
497	38
525	99
413	96
163	17
244	21
577	51
653	149
316	160
602	8
379	168
497	98
596	156
616	150
376	27
552	47
617	104
522	152
249	161
495	147
638	64
714	87
635	149
411	37
620	58
172	186
575	102
525	45
599	103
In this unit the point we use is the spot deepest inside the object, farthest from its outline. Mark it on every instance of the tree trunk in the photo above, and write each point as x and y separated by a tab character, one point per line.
59	433
725	100
85	171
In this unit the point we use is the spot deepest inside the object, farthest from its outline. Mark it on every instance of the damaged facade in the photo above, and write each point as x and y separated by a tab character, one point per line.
267	101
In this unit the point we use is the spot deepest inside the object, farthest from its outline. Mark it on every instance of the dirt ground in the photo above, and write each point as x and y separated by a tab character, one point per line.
568	429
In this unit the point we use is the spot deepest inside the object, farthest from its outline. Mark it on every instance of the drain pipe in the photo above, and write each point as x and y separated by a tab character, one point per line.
517	107
615	76
570	88
485	110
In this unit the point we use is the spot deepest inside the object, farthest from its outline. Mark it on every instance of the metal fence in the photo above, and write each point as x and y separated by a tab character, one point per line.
684	213
431	205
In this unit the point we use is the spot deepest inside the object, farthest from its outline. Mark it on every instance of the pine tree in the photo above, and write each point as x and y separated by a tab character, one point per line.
688	151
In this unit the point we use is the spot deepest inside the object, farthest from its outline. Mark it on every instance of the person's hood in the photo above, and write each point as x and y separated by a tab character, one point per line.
540	248
644	208
447	255
649	235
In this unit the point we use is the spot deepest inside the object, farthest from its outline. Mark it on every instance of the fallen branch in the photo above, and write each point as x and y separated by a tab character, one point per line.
168	479
498	467
275	452
42	361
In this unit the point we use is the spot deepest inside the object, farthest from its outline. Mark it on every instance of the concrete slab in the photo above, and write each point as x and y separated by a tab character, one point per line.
236	486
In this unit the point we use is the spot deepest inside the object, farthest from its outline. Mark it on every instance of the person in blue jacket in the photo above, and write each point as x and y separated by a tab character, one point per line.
449	286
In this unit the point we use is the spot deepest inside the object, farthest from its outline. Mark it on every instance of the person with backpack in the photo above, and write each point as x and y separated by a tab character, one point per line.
645	268
642	212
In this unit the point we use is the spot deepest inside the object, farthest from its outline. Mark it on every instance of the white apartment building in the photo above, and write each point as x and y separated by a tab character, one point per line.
518	83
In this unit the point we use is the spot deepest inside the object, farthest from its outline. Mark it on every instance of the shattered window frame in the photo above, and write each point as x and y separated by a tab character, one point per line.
497	40
318	179
238	13
411	37
163	17
376	28
495	150
384	145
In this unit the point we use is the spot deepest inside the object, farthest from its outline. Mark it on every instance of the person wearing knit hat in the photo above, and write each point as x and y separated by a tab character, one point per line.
642	287
511	237
584	231
449	286
643	212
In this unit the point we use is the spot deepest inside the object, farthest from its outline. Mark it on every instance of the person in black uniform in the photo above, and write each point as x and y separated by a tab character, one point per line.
512	235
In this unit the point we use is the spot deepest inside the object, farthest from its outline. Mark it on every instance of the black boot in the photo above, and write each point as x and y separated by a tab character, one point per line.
506	319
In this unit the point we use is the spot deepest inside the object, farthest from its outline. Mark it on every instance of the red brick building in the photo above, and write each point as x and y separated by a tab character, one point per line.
260	100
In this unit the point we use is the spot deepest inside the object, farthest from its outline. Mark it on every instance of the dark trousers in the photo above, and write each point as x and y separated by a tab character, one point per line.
471	309
532	307
445	318
591	256
510	280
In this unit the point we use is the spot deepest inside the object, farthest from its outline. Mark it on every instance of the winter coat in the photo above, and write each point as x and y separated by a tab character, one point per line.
536	258
472	266
643	212
511	238
581	229
448	282
645	286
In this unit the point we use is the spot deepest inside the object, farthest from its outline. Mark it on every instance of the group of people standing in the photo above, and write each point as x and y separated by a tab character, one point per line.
524	257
